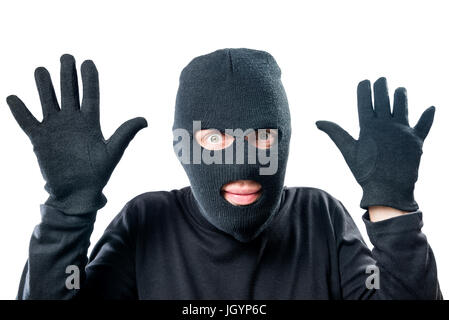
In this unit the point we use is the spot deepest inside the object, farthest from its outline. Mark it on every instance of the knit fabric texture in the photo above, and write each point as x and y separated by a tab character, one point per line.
234	89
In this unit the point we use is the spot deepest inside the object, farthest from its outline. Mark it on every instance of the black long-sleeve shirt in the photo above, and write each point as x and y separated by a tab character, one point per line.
161	247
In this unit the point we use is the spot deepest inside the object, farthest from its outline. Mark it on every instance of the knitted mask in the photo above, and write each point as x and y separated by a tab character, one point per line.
233	89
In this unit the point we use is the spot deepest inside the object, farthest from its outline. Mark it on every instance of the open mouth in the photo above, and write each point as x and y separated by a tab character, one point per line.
241	192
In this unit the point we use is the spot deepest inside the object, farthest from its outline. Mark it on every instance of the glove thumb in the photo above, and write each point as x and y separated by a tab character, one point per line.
424	124
344	141
124	134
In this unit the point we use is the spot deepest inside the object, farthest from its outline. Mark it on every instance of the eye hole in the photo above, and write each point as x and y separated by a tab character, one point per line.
213	139
263	138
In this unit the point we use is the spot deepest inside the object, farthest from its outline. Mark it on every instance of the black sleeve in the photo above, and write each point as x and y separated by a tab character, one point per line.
404	260
59	241
110	273
62	240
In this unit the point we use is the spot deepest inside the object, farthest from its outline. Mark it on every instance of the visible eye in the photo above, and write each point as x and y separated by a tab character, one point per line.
263	138
213	139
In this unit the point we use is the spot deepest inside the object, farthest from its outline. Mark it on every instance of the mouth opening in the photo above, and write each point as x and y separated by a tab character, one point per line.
241	192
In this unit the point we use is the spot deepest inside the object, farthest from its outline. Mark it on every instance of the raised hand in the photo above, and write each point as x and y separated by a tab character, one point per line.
385	159
75	159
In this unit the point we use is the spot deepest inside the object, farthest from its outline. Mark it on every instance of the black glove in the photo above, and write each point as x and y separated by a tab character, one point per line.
75	160
386	157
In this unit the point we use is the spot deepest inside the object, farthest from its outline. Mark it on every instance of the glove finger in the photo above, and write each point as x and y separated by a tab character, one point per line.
344	141
381	99
69	84
424	124
23	116
46	92
91	91
124	134
364	102
400	105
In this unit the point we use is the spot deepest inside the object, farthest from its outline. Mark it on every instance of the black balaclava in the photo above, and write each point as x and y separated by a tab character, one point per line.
233	89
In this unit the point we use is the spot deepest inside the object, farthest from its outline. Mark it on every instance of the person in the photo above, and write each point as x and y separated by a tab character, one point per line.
236	232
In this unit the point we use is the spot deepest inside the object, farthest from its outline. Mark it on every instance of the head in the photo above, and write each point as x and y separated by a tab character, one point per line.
232	134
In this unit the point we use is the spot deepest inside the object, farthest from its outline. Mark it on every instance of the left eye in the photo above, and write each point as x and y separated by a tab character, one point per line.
263	138
263	135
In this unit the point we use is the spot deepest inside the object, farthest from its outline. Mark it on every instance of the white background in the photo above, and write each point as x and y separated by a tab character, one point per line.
324	49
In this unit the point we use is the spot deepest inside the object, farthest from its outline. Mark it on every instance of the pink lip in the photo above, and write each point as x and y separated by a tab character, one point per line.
242	193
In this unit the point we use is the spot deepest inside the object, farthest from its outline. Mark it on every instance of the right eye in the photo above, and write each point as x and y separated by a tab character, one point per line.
213	139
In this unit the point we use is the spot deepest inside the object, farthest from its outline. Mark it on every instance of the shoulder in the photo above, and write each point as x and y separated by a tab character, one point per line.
310	195
316	211
314	202
153	199
154	205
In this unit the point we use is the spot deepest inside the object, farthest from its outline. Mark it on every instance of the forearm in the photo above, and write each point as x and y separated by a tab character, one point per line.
404	257
59	241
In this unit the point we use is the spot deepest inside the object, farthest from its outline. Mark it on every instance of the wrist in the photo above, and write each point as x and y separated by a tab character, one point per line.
379	213
388	195
78	202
